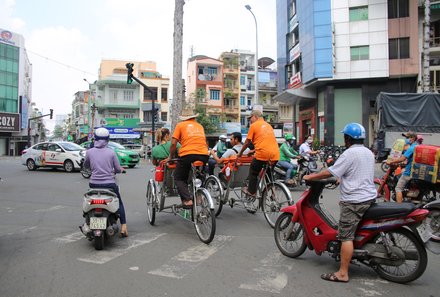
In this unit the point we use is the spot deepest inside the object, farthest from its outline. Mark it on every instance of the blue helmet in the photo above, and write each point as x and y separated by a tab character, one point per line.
354	130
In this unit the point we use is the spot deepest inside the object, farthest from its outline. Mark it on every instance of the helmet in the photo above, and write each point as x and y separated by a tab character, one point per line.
222	137
102	133
354	130
419	138
289	136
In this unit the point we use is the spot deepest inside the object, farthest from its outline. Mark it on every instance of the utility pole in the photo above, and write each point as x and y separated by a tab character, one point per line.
426	37
176	107
29	125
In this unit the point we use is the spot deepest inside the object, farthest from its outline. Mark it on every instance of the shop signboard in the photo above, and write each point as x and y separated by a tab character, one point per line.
9	122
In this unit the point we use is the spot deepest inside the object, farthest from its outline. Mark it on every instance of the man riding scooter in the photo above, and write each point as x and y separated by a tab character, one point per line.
287	152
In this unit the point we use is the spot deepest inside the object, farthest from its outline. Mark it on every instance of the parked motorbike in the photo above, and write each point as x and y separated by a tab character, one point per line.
390	238
417	191
306	165
100	210
433	225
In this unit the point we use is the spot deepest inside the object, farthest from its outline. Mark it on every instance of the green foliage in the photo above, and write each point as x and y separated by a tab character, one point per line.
205	120
316	144
58	131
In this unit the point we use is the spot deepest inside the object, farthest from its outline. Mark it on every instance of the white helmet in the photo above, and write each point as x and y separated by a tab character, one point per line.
102	133
222	137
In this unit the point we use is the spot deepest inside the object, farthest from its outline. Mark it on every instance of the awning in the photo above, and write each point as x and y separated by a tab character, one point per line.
294	96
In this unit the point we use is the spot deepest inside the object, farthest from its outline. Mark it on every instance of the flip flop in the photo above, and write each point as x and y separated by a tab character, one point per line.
331	277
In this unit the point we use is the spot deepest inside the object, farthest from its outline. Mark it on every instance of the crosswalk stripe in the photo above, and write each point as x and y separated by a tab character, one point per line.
56	207
186	261
270	276
101	257
70	237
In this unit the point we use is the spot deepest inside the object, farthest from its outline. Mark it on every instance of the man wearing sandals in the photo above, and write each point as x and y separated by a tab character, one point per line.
192	139
355	170
261	134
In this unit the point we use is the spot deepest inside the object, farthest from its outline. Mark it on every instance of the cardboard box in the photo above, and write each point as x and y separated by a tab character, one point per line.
396	150
424	172
427	154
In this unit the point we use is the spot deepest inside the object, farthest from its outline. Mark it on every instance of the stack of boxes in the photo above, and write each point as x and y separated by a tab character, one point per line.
425	163
396	150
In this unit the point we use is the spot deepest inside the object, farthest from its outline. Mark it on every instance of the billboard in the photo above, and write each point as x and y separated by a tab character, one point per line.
9	122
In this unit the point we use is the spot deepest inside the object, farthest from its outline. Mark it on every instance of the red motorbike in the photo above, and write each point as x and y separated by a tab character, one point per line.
389	239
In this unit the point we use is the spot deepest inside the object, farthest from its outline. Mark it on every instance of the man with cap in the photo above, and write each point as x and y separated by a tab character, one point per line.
219	149
191	136
262	136
411	138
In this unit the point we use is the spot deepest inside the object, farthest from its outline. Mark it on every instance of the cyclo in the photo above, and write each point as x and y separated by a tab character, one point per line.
271	195
202	212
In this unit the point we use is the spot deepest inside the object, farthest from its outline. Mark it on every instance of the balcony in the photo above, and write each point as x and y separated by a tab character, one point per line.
117	104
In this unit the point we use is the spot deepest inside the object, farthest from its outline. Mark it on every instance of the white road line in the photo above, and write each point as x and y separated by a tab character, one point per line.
119	248
70	237
186	261
270	276
50	208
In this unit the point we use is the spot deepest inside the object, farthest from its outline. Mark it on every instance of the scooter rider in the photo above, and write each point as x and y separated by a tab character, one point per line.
103	163
305	149
355	170
287	153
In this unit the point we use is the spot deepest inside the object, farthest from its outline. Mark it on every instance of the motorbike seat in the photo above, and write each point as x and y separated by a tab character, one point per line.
385	210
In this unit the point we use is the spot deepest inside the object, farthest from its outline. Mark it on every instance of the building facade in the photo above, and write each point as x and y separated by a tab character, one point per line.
334	57
15	95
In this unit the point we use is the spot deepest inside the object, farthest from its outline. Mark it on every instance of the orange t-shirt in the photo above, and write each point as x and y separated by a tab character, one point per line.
262	136
191	136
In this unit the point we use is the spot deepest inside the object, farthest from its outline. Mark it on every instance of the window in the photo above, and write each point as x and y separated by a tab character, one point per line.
360	53
249	102
398	9
164	94
128	116
242	100
163	116
9	56
242	80
150	93
128	95
113	96
214	94
212	71
399	48
358	13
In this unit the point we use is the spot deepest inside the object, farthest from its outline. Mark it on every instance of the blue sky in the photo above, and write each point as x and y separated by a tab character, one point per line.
80	33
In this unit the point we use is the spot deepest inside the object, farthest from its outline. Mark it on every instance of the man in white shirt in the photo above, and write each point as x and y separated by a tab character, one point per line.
305	149
355	170
236	139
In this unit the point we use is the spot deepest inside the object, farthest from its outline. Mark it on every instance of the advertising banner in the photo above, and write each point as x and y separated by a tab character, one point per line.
9	122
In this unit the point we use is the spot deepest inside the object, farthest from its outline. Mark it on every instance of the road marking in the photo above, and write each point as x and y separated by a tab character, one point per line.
70	237
119	248
187	261
270	276
50	208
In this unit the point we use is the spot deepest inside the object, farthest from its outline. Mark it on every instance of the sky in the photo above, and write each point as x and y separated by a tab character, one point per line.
66	40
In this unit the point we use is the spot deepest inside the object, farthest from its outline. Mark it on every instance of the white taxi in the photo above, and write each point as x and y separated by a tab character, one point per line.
59	154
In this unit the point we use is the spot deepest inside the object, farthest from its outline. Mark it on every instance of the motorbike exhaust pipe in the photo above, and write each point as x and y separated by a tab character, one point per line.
110	231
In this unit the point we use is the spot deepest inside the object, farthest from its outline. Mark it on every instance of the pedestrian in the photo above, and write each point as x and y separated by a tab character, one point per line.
355	170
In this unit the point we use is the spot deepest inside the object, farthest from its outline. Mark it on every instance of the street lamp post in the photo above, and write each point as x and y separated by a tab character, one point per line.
248	7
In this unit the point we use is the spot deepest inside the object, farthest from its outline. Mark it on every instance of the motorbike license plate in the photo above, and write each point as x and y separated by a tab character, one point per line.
98	223
424	233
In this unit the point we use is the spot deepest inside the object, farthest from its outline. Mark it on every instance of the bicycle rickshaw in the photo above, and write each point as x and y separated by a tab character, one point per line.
202	212
270	198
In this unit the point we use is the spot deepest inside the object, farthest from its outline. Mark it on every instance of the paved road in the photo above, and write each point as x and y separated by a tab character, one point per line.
42	252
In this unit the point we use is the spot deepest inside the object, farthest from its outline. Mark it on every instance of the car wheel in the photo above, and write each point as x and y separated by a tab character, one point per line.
131	166
68	166
31	166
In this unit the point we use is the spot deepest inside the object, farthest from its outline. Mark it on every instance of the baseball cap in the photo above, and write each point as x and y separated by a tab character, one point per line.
255	112
409	134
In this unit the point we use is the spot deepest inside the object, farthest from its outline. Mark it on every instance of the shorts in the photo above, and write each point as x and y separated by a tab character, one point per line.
403	180
351	215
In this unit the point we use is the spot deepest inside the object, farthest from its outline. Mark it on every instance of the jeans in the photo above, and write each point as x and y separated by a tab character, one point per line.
181	174
289	167
114	187
211	166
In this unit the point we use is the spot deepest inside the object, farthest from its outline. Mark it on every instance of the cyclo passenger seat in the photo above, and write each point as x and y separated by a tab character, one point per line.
383	210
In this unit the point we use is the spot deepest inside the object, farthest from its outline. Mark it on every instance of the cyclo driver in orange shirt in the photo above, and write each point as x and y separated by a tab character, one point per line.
262	136
191	136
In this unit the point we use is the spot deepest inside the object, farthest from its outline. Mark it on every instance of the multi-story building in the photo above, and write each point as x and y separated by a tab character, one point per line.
15	95
335	57
247	84
231	75
204	86
434	44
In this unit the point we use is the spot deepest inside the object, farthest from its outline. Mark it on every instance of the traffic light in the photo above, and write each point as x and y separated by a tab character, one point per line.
51	114
156	114
129	72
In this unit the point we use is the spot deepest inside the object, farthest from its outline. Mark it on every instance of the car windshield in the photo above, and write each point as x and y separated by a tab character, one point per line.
70	146
116	145
133	146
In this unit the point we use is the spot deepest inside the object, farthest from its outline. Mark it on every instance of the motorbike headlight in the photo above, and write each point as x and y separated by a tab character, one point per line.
198	183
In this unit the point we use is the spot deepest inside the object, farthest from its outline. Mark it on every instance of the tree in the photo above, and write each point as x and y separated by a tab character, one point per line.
58	131
176	107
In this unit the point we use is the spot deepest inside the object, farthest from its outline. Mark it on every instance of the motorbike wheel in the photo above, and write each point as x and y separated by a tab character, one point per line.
415	261
151	207
215	189
86	173
99	242
384	166
204	222
274	198
433	221
292	245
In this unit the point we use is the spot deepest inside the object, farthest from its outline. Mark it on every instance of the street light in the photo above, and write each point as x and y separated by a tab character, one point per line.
248	7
